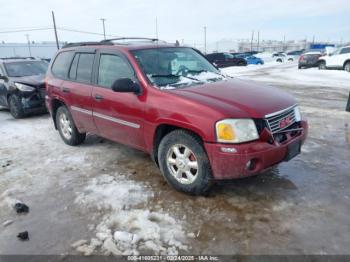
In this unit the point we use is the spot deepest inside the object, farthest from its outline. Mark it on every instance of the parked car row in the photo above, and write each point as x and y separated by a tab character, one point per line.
340	59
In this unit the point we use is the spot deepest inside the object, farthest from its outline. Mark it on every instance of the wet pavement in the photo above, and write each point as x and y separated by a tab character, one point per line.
299	207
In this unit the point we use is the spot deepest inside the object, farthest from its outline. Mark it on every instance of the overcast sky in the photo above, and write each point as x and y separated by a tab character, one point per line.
179	19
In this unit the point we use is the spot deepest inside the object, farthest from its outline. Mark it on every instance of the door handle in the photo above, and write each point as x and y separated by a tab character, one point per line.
98	97
65	90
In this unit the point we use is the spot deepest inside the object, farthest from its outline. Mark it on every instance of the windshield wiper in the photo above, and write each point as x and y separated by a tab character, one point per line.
176	76
165	75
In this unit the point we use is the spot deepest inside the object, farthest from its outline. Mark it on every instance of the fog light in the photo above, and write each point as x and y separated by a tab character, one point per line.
228	150
251	164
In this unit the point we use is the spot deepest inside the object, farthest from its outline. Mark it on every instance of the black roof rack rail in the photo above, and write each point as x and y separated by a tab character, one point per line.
84	44
130	38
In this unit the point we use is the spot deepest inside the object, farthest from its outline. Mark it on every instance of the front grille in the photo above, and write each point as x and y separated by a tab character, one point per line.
280	120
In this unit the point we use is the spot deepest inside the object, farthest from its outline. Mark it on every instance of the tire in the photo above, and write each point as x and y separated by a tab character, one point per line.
195	179
279	60
347	67
15	106
300	67
322	65
290	59
66	127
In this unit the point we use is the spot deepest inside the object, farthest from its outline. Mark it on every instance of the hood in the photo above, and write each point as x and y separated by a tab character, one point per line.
237	98
36	80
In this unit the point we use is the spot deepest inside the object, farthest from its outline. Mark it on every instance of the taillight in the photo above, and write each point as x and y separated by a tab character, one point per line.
301	58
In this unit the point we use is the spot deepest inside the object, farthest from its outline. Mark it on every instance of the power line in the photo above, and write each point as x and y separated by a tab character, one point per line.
25	30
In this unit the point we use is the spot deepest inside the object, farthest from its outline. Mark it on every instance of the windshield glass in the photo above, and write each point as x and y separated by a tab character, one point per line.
26	68
176	67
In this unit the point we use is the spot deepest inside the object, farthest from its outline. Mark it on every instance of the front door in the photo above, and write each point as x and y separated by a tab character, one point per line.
118	116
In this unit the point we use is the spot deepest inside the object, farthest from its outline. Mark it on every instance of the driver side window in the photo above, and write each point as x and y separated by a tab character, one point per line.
111	68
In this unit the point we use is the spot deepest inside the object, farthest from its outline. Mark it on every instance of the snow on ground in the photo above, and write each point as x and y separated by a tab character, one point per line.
288	73
125	228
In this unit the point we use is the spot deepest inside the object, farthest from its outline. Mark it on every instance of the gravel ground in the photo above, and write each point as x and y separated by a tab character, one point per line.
114	199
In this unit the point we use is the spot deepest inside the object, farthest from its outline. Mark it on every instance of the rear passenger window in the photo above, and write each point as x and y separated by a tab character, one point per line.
345	50
113	67
73	67
84	69
61	65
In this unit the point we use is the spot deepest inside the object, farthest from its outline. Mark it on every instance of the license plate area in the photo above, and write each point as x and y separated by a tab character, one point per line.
293	150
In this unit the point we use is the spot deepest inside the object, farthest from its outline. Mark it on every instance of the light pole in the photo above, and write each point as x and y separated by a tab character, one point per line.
205	39
29	49
104	29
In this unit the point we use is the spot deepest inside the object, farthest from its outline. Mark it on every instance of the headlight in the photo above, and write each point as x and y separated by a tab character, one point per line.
236	131
24	88
297	114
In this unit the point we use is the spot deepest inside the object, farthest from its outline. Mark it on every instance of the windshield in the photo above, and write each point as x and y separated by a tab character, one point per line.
176	67
26	68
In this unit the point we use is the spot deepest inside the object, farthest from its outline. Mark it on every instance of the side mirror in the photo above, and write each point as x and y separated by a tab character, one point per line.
5	78
125	85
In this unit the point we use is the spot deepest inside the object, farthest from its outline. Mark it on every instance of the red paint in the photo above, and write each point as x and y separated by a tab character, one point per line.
195	108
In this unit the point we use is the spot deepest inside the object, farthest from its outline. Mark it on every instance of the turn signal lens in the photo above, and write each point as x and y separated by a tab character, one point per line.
225	132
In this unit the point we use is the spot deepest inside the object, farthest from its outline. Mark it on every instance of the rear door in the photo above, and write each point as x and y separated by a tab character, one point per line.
78	89
118	116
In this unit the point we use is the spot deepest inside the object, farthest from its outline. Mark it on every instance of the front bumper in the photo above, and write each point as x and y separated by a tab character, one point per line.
33	101
262	154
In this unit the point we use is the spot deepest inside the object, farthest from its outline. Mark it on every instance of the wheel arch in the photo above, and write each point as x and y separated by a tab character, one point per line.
161	131
55	104
345	62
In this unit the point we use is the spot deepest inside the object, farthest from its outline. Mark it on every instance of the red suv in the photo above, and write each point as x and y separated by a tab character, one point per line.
197	124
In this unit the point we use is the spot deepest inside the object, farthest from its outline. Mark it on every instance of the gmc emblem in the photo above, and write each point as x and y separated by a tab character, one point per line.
285	122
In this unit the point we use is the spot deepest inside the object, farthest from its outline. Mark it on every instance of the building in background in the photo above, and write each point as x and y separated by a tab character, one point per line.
36	49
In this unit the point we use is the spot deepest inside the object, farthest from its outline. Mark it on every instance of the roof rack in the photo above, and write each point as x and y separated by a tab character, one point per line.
130	38
84	44
113	41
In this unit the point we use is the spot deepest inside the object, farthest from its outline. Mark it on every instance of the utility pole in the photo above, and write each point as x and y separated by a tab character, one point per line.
29	49
157	27
284	43
55	29
258	41
217	46
251	41
205	39
104	28
313	39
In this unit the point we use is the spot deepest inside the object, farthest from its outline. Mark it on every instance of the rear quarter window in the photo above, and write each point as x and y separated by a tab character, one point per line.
61	64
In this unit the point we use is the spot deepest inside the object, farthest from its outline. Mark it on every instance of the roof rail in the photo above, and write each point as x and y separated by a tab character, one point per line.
130	38
84	44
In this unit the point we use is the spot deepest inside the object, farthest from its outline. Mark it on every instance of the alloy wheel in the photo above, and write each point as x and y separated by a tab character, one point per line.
66	126
182	164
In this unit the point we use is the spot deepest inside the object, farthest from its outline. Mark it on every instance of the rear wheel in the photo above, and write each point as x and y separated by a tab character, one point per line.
67	129
322	65
184	163
347	67
279	60
16	108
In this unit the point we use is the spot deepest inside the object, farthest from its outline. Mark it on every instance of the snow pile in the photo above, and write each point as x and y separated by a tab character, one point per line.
290	74
201	78
8	197
128	229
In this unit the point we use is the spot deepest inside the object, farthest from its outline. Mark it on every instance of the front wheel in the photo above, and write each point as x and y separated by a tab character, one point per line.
67	129
347	67
16	108
184	163
322	65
